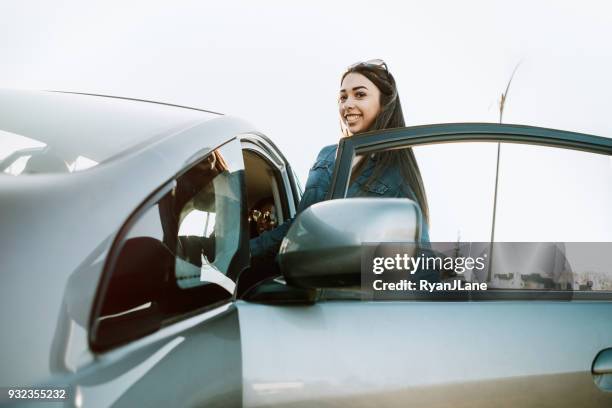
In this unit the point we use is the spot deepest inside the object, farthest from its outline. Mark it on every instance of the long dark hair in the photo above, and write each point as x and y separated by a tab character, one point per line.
390	116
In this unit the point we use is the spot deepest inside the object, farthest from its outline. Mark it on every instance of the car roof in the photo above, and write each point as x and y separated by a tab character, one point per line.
92	128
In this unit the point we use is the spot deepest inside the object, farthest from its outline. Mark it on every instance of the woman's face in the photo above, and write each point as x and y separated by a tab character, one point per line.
359	102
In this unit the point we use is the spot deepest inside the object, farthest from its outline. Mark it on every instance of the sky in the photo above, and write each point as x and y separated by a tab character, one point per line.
278	64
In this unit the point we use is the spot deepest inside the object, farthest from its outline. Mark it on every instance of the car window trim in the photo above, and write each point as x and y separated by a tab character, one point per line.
263	142
280	176
456	132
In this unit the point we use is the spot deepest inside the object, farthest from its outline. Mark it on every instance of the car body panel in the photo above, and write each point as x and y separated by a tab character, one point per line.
438	353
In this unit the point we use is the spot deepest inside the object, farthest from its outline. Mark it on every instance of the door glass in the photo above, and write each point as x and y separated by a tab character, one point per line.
207	208
560	200
457	180
553	220
460	182
553	194
178	255
454	186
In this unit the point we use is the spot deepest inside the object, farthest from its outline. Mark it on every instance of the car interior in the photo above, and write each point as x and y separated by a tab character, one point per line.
263	186
264	196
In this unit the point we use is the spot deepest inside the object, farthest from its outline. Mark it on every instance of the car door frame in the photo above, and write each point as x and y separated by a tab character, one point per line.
471	132
261	144
455	132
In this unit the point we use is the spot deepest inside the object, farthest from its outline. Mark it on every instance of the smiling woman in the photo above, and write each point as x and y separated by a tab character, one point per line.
368	100
359	102
368	88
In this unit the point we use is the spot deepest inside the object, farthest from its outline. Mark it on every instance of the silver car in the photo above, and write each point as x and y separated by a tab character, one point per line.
127	279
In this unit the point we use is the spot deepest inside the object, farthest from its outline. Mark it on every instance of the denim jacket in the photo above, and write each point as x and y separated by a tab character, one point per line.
389	184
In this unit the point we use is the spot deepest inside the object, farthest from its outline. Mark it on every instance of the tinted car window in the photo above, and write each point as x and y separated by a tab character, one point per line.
178	255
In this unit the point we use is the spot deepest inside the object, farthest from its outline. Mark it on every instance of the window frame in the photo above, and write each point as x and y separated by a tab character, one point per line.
281	182
261	144
455	132
471	132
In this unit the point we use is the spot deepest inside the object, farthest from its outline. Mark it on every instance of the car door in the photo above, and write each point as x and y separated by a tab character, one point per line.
164	330
539	336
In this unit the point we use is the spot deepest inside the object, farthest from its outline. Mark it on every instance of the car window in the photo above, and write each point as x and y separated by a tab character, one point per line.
545	208
459	180
552	195
179	254
267	197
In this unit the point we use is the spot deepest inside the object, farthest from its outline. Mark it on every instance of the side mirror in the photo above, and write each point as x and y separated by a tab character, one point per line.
323	246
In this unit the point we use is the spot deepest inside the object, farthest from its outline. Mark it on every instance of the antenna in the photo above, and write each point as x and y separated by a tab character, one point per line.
502	103
504	95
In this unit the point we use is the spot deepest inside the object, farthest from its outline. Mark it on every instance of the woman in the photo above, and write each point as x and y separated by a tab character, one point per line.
368	101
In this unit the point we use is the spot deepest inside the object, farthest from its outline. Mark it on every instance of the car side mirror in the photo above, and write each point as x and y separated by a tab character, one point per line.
323	246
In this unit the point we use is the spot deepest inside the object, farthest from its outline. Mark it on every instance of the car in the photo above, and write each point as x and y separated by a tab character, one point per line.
127	278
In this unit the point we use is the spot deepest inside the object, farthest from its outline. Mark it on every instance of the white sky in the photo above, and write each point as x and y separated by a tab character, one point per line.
278	64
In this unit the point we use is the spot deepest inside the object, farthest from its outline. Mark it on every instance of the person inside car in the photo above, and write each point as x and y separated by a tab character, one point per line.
262	217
